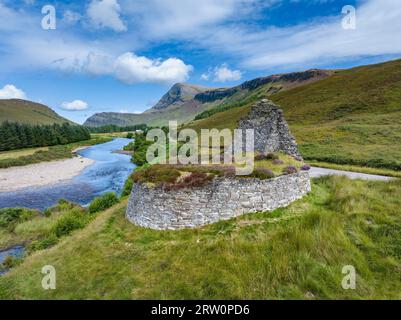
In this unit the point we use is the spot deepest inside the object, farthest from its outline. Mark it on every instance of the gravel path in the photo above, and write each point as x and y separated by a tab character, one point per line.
318	172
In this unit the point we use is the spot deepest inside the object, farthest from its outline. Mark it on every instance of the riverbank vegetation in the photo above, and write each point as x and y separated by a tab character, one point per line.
15	135
292	253
113	128
41	230
15	158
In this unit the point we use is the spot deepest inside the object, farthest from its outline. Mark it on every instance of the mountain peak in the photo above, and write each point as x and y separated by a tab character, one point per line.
178	94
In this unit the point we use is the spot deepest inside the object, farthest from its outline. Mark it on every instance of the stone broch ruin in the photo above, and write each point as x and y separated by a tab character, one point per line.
272	133
225	198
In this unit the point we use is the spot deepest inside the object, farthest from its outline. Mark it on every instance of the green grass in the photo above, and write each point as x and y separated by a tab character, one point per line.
15	110
20	153
352	117
292	253
49	154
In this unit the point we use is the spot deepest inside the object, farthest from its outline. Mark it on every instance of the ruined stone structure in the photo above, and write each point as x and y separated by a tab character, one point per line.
225	198
270	128
222	199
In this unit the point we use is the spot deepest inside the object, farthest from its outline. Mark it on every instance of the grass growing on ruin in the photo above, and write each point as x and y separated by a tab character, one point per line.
292	253
187	176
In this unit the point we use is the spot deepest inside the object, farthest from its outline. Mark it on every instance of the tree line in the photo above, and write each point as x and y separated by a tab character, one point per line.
15	135
114	128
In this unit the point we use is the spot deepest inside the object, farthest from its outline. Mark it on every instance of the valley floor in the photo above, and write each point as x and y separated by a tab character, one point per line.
40	174
294	253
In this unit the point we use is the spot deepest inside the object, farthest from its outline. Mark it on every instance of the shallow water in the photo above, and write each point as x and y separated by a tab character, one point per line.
109	173
16	252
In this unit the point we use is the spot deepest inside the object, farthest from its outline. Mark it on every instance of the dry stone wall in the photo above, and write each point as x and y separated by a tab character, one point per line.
222	199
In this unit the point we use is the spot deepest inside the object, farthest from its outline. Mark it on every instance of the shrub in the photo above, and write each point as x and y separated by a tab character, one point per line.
193	180
10	216
8	262
42	244
262	173
305	167
130	135
47	213
127	187
272	156
158	174
260	156
73	220
278	161
103	202
290	170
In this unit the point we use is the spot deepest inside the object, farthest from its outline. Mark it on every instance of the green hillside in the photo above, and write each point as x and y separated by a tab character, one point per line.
292	253
351	117
16	110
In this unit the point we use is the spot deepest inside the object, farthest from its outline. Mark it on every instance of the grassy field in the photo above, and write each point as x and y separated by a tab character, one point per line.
29	156
352	117
292	253
13	154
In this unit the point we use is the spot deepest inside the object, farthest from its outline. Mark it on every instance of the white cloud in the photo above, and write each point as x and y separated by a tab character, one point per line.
131	68
320	42
9	91
76	105
106	14
222	74
221	28
175	17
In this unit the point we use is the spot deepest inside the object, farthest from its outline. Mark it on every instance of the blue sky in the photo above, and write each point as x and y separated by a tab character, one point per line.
123	55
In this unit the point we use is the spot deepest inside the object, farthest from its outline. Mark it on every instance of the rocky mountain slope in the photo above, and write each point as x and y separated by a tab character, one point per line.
183	101
17	110
178	95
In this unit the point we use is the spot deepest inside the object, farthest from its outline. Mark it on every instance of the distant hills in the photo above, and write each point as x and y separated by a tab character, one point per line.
28	112
183	102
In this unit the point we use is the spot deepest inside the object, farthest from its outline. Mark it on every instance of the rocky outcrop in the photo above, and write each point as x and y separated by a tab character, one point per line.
279	80
222	199
271	131
178	94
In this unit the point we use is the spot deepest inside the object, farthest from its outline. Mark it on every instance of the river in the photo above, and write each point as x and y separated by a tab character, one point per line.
108	173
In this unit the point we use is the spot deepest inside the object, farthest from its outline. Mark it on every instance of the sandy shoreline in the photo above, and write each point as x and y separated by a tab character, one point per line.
41	174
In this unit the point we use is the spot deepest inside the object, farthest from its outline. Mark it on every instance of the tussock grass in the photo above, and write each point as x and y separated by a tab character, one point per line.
292	253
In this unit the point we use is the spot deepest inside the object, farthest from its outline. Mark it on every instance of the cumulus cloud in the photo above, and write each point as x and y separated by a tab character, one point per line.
219	28
131	68
76	105
222	74
10	91
106	14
